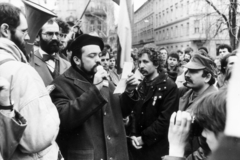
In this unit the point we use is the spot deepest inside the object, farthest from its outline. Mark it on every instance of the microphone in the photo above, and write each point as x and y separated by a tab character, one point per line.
99	68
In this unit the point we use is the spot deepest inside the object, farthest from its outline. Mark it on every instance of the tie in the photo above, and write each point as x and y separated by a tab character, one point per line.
47	57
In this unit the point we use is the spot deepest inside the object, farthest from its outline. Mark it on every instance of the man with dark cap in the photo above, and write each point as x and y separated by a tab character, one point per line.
200	81
199	78
91	115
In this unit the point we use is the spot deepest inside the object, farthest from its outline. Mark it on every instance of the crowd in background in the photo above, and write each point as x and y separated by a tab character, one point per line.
63	105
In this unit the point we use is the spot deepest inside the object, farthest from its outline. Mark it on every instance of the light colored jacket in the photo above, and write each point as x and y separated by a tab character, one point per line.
32	100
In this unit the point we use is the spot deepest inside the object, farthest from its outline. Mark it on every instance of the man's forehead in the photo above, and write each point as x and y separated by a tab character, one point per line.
223	49
172	57
163	51
91	48
50	27
144	56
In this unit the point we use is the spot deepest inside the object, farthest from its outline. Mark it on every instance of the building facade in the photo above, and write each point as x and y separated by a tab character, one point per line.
143	24
98	16
178	24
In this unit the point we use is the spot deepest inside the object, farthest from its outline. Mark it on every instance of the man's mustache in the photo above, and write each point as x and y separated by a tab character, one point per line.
54	42
142	70
188	79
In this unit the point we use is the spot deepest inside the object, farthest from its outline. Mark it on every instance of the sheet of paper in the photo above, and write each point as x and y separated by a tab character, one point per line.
127	69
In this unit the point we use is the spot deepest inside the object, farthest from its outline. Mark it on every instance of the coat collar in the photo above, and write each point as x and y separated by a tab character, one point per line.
38	61
79	80
38	58
184	100
160	79
12	49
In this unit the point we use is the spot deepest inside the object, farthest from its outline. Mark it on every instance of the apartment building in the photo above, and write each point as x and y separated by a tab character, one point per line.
178	24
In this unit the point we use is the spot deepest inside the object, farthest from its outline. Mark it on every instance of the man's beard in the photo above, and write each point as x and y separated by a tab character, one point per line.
19	43
91	72
51	47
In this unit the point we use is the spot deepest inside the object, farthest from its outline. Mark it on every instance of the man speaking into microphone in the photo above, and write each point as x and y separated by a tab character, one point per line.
91	115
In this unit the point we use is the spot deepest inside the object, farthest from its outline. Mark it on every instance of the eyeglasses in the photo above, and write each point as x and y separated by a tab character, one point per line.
50	34
62	35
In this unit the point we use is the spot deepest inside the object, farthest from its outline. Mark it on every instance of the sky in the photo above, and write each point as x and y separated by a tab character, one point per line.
138	3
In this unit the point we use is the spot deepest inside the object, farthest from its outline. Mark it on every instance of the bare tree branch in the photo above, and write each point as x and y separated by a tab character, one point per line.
221	14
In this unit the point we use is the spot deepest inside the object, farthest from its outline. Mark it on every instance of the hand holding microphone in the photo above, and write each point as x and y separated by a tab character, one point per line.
100	75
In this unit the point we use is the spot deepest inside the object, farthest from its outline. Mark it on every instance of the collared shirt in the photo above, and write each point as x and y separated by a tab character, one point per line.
50	63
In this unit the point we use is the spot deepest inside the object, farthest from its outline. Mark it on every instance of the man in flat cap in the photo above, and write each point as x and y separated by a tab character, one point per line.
91	115
199	78
200	81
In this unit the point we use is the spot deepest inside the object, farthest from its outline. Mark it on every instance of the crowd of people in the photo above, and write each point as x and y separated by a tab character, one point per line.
63	106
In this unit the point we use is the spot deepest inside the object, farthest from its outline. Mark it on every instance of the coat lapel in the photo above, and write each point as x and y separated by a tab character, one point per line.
162	78
42	68
63	65
183	101
78	79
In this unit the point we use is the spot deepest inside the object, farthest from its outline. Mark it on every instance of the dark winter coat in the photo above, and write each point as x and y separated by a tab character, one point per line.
159	100
91	120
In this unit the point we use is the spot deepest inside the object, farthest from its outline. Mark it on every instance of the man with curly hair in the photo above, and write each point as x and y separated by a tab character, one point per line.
151	115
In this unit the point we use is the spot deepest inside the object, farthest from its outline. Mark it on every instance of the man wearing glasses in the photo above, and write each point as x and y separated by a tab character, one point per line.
48	63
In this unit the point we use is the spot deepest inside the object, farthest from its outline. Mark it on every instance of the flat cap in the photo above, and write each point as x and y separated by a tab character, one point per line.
201	62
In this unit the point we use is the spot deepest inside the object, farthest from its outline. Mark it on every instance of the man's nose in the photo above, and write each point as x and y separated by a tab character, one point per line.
187	74
141	65
54	36
98	60
26	38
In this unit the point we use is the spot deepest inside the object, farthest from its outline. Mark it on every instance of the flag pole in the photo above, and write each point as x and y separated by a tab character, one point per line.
85	9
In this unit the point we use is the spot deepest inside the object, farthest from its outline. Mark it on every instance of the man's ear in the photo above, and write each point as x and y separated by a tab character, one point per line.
208	77
77	60
4	30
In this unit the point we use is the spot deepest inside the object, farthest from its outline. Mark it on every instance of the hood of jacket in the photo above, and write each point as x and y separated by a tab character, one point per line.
11	51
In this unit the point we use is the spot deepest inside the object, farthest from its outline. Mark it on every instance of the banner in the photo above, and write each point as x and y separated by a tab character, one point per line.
124	33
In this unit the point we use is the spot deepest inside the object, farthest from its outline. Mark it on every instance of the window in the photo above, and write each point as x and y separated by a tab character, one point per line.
196	26
182	30
187	29
168	35
159	19
164	34
167	15
176	31
70	4
176	10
